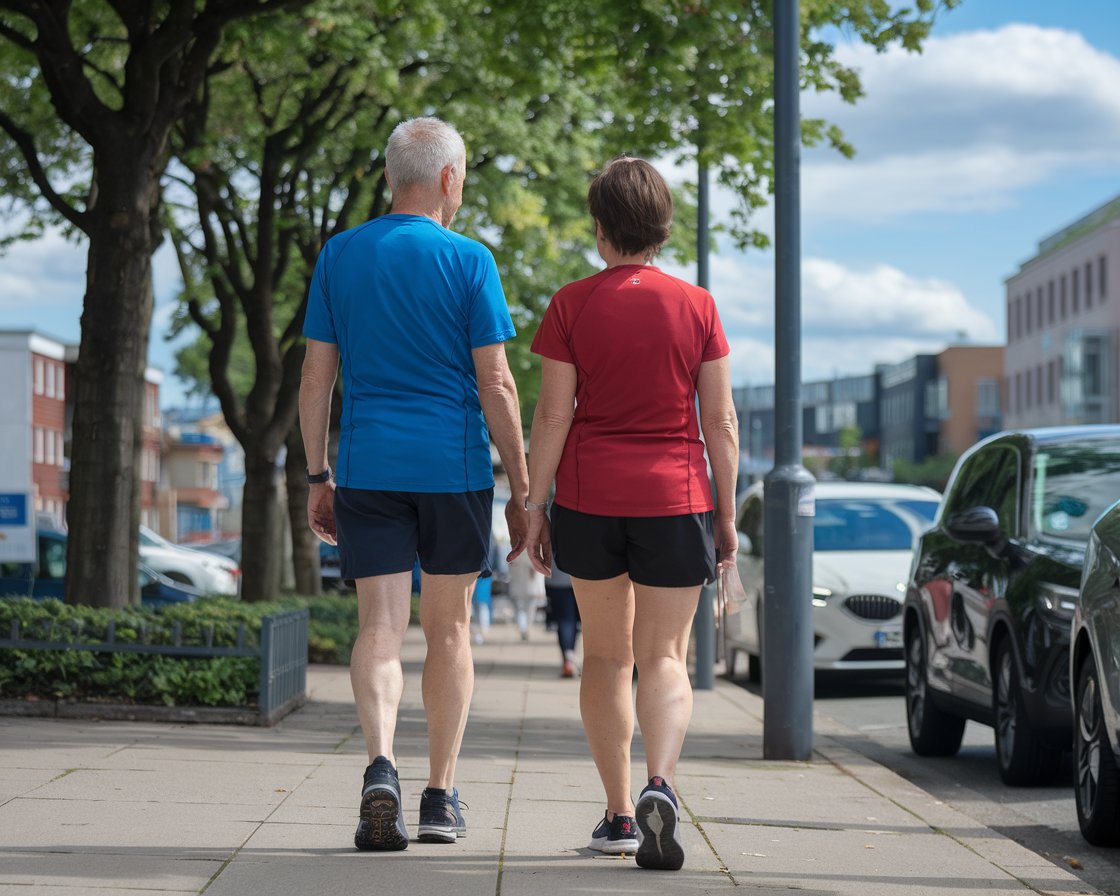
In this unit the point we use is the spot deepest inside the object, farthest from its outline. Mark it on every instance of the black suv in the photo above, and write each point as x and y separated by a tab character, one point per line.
992	590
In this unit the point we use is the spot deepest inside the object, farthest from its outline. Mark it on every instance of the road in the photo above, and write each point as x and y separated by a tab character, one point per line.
1043	819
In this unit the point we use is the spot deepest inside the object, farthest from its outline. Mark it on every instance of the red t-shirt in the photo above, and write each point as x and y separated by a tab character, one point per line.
637	337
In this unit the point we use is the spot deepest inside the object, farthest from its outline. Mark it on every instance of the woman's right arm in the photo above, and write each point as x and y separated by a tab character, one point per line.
720	425
551	422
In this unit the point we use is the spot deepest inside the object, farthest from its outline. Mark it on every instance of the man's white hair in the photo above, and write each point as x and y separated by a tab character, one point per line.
419	149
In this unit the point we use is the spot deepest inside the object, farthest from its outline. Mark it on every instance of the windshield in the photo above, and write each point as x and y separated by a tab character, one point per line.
1073	485
870	524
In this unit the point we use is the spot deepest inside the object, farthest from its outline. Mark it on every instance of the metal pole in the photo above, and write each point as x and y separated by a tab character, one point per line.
704	621
787	657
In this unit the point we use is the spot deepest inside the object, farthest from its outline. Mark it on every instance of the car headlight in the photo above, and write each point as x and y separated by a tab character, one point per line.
1057	600
821	595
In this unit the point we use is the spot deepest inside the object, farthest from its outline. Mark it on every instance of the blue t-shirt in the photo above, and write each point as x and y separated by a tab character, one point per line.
406	300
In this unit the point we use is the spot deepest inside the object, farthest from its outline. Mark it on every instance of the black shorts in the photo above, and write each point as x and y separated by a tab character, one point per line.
658	551
382	532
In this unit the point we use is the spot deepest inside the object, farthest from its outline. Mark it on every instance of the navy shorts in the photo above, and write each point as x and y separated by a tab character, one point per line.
382	532
658	551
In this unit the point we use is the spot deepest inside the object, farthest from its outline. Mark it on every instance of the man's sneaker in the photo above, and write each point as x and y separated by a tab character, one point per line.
660	826
380	820
615	837
441	818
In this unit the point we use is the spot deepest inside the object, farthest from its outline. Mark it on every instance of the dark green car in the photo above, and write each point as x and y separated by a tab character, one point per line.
992	590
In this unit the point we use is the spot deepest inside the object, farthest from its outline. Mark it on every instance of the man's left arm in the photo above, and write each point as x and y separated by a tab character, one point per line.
497	393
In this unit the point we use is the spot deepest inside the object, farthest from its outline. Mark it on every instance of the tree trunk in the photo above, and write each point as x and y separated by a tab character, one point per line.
103	512
305	543
261	548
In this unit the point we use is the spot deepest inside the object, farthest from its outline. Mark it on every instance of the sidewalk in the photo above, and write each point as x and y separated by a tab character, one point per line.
111	808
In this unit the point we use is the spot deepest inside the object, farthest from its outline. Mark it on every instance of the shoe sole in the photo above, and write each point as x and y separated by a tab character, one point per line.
379	825
615	847
435	833
660	847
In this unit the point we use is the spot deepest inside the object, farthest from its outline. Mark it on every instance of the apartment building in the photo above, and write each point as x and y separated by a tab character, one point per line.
33	419
928	404
36	409
1062	327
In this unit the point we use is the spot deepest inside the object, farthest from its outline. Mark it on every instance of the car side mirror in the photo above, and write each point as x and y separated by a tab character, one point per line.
977	525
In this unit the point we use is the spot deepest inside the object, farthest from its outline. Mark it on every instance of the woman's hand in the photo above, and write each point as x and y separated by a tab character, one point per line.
540	542
727	543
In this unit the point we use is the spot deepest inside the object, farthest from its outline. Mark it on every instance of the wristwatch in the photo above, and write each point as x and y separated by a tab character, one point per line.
325	476
535	505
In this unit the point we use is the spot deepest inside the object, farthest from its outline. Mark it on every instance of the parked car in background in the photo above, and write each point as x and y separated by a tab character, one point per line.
992	594
1095	673
47	576
208	572
863	539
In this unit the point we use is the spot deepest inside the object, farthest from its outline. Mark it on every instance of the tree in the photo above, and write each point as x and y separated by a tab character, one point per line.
91	92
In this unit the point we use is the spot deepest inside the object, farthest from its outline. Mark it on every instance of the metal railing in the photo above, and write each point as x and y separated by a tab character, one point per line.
281	648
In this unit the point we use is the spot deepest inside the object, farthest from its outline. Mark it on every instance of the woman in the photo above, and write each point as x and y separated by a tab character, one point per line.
624	355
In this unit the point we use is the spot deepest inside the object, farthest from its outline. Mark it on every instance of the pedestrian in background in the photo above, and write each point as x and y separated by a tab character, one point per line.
526	591
565	613
417	316
624	356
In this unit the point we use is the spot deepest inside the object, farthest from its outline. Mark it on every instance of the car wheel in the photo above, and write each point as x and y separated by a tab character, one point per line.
933	732
1024	760
181	578
754	668
1097	786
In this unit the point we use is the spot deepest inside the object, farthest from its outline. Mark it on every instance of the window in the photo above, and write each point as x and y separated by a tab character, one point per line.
1017	401
60	449
60	384
1088	282
1103	277
1052	384
50	380
48	438
1050	293
1050	310
38	376
1074	287
987	398
38	444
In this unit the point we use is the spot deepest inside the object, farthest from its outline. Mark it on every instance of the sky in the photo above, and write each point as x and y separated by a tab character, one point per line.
1004	129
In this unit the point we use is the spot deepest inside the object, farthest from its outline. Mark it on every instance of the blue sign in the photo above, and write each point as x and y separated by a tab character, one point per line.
17	528
13	510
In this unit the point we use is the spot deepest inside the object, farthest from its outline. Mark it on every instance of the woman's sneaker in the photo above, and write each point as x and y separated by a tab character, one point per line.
615	837
441	819
659	822
380	822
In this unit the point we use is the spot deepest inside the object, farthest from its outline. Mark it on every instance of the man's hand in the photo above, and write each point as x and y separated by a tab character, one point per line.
320	510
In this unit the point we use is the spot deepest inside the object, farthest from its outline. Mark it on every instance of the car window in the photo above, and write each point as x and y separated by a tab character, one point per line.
1003	495
750	523
860	525
52	559
981	479
924	510
1073	485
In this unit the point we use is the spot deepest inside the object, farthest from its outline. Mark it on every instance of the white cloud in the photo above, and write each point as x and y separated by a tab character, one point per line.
47	272
851	319
967	122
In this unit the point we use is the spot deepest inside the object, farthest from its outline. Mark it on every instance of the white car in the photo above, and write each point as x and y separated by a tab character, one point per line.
209	573
863	538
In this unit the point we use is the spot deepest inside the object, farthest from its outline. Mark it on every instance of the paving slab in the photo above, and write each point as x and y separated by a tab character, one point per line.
120	807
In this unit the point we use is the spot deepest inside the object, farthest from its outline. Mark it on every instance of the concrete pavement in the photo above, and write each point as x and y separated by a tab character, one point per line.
111	808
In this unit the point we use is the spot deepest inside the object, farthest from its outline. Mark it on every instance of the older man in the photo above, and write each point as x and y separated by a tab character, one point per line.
417	315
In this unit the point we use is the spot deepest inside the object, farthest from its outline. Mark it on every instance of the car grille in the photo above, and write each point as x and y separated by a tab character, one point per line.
872	606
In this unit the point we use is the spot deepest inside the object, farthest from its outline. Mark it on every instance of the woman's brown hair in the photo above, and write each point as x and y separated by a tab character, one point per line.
633	206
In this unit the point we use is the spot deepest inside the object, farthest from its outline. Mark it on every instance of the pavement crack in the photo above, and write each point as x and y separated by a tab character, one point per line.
697	821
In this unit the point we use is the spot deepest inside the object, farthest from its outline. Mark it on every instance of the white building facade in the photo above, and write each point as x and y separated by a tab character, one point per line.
1063	327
